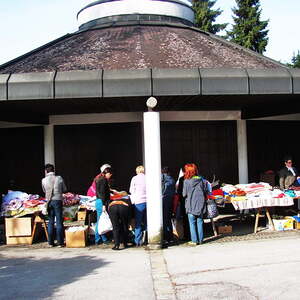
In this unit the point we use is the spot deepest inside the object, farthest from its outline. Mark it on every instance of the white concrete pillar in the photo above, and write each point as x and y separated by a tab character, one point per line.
242	151
152	152
49	152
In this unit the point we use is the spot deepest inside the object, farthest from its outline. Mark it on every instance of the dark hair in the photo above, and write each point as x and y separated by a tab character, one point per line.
165	170
107	170
49	168
287	157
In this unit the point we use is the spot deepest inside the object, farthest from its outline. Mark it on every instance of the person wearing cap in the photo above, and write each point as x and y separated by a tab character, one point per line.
102	197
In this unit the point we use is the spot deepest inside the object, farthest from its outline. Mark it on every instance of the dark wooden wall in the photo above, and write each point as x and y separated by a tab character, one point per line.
80	150
268	143
22	158
211	145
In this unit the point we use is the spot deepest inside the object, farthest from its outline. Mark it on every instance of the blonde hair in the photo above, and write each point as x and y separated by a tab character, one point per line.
140	169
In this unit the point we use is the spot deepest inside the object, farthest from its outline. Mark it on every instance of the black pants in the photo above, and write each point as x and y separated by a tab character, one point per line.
119	215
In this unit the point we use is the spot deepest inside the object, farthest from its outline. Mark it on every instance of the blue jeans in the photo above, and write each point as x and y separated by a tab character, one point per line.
55	215
196	225
140	218
99	237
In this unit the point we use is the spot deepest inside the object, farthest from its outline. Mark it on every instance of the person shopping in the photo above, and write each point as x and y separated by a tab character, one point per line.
103	198
168	192
54	187
119	211
139	199
195	197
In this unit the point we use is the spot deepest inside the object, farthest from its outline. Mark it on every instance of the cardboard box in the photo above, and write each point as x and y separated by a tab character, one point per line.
18	240
297	222
81	215
76	239
17	227
224	229
283	224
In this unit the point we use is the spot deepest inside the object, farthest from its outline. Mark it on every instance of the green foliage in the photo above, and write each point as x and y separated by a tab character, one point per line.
248	30
205	16
295	60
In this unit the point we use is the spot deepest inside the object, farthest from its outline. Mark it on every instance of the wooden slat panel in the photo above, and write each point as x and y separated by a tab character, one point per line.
268	143
80	150
211	145
22	158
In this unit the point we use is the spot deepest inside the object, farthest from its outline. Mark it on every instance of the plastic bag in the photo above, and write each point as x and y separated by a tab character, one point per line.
104	224
212	210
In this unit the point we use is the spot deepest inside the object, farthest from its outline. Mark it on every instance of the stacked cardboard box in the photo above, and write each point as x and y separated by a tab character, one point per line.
18	231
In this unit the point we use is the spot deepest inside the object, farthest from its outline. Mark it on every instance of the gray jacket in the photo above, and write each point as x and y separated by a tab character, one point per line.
194	191
56	183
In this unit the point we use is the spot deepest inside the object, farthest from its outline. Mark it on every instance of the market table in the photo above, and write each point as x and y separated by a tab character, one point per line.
260	204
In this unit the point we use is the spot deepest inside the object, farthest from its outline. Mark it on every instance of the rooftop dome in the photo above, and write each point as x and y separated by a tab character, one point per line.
105	11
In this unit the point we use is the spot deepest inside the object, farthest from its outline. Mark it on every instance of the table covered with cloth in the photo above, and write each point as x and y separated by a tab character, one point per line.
256	195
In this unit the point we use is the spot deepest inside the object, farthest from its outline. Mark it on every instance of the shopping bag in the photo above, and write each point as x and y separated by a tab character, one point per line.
104	224
212	210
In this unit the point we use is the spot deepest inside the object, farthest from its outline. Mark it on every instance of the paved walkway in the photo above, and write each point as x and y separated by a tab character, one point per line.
252	269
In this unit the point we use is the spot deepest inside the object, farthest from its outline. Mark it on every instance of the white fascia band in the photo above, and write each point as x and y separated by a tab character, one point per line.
128	7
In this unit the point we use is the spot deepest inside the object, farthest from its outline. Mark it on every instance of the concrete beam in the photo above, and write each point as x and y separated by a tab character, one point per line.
126	83
78	84
270	81
224	82
3	86
172	82
31	86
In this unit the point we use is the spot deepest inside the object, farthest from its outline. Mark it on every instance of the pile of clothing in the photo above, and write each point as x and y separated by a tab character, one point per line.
18	204
255	195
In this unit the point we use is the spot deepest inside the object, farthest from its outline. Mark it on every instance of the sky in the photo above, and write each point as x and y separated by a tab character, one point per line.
28	24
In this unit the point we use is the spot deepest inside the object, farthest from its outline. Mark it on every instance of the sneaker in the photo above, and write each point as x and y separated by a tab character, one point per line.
60	246
50	246
192	243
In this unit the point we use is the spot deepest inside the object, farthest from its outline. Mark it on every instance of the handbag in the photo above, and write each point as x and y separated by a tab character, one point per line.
104	223
212	209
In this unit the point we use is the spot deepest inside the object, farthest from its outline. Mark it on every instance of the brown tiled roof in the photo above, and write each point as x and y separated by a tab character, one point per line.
137	47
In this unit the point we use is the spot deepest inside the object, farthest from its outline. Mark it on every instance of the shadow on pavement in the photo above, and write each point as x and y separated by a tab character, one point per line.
33	278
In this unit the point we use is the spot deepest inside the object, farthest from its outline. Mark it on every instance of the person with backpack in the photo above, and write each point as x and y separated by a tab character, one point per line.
194	192
54	187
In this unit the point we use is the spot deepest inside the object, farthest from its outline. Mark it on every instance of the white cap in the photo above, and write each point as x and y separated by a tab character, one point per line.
105	166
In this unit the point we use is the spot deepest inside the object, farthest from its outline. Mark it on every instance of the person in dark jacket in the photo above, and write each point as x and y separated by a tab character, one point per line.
195	202
103	198
288	175
168	192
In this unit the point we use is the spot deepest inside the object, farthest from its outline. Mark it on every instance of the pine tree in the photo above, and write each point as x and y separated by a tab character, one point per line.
248	30
205	16
296	60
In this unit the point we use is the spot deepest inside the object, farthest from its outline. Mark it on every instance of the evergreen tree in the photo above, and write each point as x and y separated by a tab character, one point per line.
248	30
205	16
295	60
